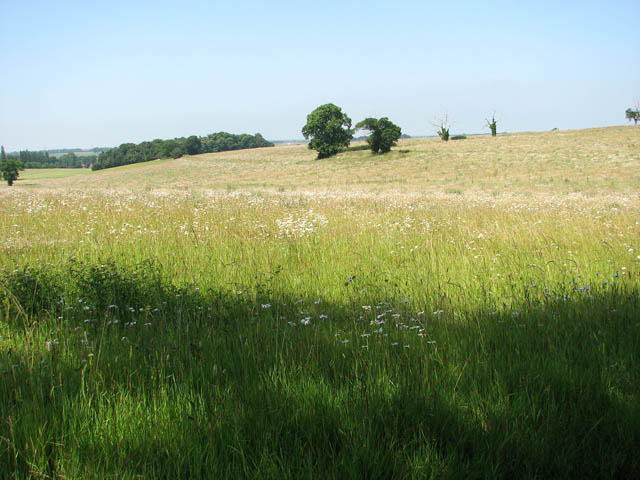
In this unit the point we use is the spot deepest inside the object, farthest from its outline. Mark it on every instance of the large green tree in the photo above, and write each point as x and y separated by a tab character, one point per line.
10	169
329	129
384	133
634	115
193	145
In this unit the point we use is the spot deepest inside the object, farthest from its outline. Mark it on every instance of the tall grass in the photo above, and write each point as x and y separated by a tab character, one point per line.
335	334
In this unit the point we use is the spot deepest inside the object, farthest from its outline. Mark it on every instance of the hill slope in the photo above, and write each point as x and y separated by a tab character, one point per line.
588	161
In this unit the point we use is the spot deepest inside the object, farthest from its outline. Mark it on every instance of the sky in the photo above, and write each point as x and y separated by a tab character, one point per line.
80	74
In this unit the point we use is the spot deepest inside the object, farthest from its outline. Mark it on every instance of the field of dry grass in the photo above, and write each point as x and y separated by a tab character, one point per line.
594	161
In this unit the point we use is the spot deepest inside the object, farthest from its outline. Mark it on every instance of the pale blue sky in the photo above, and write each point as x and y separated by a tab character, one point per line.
85	74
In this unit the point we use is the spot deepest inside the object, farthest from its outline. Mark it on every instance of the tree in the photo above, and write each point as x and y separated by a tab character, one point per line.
384	134
10	170
3	154
634	115
443	128
493	125
329	130
192	145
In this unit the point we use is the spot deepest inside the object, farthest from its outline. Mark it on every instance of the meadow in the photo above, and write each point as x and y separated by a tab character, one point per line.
468	309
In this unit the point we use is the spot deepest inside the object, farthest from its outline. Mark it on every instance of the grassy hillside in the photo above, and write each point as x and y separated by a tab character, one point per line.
589	161
468	309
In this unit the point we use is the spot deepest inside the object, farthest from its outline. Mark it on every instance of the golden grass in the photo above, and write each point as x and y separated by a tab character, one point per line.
589	161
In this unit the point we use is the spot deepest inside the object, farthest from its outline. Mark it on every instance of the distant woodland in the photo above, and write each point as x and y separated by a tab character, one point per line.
128	153
45	160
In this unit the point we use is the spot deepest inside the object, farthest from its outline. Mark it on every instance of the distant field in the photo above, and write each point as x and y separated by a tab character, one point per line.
28	175
468	309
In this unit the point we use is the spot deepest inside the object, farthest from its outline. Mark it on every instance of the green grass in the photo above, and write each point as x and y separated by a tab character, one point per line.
388	332
50	173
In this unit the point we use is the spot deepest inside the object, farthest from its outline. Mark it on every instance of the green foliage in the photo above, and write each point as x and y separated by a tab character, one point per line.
43	159
634	115
192	145
443	133
493	125
384	133
10	170
355	148
329	129
459	137
129	153
443	127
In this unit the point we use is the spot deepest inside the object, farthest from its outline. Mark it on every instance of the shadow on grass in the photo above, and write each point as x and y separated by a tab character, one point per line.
110	371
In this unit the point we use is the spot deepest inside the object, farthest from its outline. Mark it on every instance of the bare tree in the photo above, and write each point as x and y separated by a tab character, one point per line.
443	125
493	125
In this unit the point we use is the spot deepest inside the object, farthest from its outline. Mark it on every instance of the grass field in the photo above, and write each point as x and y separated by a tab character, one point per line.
467	309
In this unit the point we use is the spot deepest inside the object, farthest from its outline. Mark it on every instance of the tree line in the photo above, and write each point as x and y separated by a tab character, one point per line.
44	160
128	153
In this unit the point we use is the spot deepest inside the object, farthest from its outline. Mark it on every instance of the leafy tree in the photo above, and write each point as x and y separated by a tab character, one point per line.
10	170
493	125
193	145
634	115
384	133
329	129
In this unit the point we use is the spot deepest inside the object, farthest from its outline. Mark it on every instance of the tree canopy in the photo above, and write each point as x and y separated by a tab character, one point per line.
384	133
128	153
631	114
10	169
329	129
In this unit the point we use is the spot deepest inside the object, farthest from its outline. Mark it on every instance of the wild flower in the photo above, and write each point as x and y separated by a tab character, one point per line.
438	312
266	305
305	320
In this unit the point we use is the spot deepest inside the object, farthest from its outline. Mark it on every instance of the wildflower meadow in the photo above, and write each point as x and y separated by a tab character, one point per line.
459	310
